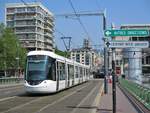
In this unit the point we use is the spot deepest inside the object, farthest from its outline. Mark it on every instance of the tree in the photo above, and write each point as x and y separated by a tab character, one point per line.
61	53
12	55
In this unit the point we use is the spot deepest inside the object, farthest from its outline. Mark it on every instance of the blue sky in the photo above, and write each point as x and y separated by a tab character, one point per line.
118	11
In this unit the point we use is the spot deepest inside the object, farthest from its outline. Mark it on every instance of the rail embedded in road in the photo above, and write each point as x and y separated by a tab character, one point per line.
78	98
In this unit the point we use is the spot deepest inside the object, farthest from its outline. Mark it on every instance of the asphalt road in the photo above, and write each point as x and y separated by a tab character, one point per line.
78	99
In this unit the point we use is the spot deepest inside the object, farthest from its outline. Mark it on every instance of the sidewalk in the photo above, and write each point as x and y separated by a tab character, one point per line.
123	105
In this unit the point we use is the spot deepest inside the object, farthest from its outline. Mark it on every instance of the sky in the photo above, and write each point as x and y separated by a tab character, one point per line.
117	11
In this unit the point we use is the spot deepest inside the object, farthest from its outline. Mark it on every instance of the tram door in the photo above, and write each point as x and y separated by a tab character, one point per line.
81	74
68	75
72	74
57	76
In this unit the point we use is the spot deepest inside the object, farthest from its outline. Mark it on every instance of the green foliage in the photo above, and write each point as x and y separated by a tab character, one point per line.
10	50
61	53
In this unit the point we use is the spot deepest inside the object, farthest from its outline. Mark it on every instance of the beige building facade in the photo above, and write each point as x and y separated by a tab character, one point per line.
32	23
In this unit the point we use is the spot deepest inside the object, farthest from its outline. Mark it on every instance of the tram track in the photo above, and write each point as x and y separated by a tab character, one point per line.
41	103
11	92
23	103
77	100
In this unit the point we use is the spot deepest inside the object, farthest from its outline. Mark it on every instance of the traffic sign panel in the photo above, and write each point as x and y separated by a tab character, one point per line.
128	44
135	32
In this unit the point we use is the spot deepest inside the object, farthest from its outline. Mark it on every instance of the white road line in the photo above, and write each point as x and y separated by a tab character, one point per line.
61	99
10	88
3	99
98	99
22	105
74	111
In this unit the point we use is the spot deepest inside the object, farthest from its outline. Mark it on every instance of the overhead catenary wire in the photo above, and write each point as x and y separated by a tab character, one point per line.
82	25
24	2
63	35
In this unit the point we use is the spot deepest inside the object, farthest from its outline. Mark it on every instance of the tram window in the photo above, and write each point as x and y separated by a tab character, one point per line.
81	72
71	71
76	71
51	67
86	72
61	70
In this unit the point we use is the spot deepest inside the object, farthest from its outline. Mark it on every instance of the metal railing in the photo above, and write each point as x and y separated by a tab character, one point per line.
11	80
140	92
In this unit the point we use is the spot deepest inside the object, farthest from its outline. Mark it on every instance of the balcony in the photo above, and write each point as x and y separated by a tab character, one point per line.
24	31
23	24
47	34
48	41
24	10
10	10
48	29
24	17
51	24
46	47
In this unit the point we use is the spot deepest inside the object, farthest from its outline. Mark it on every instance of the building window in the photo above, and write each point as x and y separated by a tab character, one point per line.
31	9
78	57
21	9
10	10
148	60
10	24
87	60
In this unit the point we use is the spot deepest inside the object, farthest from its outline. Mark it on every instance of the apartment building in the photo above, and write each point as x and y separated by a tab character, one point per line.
86	55
32	23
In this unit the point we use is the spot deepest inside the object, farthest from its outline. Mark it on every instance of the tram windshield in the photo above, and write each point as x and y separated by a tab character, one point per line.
39	67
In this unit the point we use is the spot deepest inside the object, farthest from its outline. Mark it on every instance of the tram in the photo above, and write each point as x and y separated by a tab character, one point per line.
47	72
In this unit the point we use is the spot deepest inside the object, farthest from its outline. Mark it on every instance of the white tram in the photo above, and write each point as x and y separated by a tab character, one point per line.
47	72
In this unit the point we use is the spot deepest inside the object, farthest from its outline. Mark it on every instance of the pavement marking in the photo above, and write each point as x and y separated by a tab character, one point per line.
10	88
75	109
98	99
3	99
61	99
22	105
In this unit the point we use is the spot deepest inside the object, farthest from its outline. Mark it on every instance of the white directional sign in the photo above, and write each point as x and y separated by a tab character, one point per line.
127	44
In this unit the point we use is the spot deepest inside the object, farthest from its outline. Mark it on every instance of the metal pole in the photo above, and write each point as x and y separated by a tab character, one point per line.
67	47
105	57
114	81
113	77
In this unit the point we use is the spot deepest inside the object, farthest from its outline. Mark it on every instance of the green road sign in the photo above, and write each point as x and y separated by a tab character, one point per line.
137	33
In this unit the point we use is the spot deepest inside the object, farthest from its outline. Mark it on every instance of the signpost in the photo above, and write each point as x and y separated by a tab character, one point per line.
136	32
127	44
124	44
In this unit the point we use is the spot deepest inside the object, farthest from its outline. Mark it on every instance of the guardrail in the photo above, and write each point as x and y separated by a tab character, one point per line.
11	80
138	91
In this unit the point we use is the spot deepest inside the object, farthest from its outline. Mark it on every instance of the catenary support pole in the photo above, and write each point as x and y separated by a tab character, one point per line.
114	81
105	56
